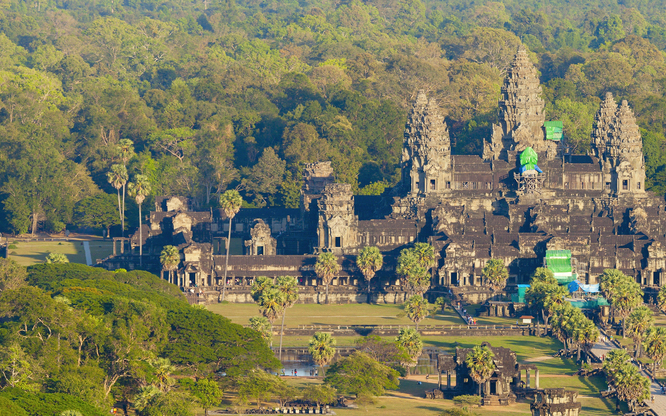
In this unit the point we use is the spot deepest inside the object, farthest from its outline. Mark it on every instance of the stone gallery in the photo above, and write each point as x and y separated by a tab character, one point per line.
525	194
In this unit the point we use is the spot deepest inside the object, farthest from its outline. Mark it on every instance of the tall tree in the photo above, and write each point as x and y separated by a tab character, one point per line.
361	375
170	257
640	320
661	298
139	190
417	309
410	343
655	346
231	202
117	177
495	274
271	304
413	271
480	364
322	349
327	268
369	261
288	286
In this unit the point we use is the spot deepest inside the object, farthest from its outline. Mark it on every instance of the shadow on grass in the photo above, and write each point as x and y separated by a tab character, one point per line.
431	408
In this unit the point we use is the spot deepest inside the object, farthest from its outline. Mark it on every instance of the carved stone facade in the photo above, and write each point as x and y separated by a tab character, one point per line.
426	152
338	226
521	113
261	243
556	402
469	207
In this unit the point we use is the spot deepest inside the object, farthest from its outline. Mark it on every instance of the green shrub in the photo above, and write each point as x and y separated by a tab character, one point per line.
467	400
13	246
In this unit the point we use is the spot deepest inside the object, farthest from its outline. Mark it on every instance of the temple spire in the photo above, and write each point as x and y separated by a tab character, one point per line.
603	124
427	146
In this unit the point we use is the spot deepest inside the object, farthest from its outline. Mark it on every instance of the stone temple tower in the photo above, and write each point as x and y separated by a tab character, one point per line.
338	226
616	141
521	113
426	152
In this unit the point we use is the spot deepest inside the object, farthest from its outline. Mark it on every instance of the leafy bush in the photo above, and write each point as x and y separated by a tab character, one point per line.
467	400
40	404
13	246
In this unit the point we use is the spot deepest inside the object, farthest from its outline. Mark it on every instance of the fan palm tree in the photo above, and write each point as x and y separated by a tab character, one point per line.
661	298
139	190
369	260
628	296
231	203
480	364
655	346
495	274
326	268
163	370
417	308
640	320
322	349
170	259
413	271
271	304
288	286
117	177
262	325
425	253
409	341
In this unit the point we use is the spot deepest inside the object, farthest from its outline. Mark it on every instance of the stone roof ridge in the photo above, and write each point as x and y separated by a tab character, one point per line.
421	99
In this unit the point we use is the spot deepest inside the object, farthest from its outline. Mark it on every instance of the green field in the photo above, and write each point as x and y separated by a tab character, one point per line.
29	253
349	314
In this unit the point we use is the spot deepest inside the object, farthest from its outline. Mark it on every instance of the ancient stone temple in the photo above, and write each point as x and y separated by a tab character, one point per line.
556	402
471	208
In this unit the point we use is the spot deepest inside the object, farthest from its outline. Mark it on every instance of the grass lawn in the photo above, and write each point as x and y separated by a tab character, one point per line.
29	253
349	314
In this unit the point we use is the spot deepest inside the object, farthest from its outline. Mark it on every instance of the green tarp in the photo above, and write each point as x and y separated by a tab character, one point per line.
589	304
565	254
528	157
559	265
553	130
559	262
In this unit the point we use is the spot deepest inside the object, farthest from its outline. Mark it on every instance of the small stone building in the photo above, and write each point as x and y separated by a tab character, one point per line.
555	402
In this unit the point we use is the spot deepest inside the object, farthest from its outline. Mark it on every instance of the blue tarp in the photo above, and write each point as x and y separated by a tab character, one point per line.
575	285
530	167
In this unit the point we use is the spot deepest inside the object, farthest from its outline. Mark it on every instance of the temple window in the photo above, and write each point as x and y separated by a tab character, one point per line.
432	185
448	185
338	241
465	185
638	185
260	251
625	184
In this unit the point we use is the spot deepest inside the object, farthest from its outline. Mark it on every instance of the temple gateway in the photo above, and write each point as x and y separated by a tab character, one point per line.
526	194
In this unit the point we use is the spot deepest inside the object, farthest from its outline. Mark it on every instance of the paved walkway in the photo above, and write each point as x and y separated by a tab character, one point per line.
86	248
659	405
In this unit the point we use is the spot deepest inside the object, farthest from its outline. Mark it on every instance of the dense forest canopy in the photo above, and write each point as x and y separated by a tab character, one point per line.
216	94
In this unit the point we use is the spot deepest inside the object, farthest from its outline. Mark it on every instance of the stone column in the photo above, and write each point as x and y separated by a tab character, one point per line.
528	378
536	378
448	379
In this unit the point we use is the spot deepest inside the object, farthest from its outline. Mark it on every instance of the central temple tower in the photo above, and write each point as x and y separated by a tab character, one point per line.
521	113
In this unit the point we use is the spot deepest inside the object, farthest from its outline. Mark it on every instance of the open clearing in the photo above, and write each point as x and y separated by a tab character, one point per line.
28	253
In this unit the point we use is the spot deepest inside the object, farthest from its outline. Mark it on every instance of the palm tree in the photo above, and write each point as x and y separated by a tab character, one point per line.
417	308
425	253
262	325
409	342
638	323
139	190
260	284
661	298
271	304
169	259
411	268
322	349
231	203
126	150
326	268
163	370
288	286
655	346
117	177
369	261
480	364
495	274
628	295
